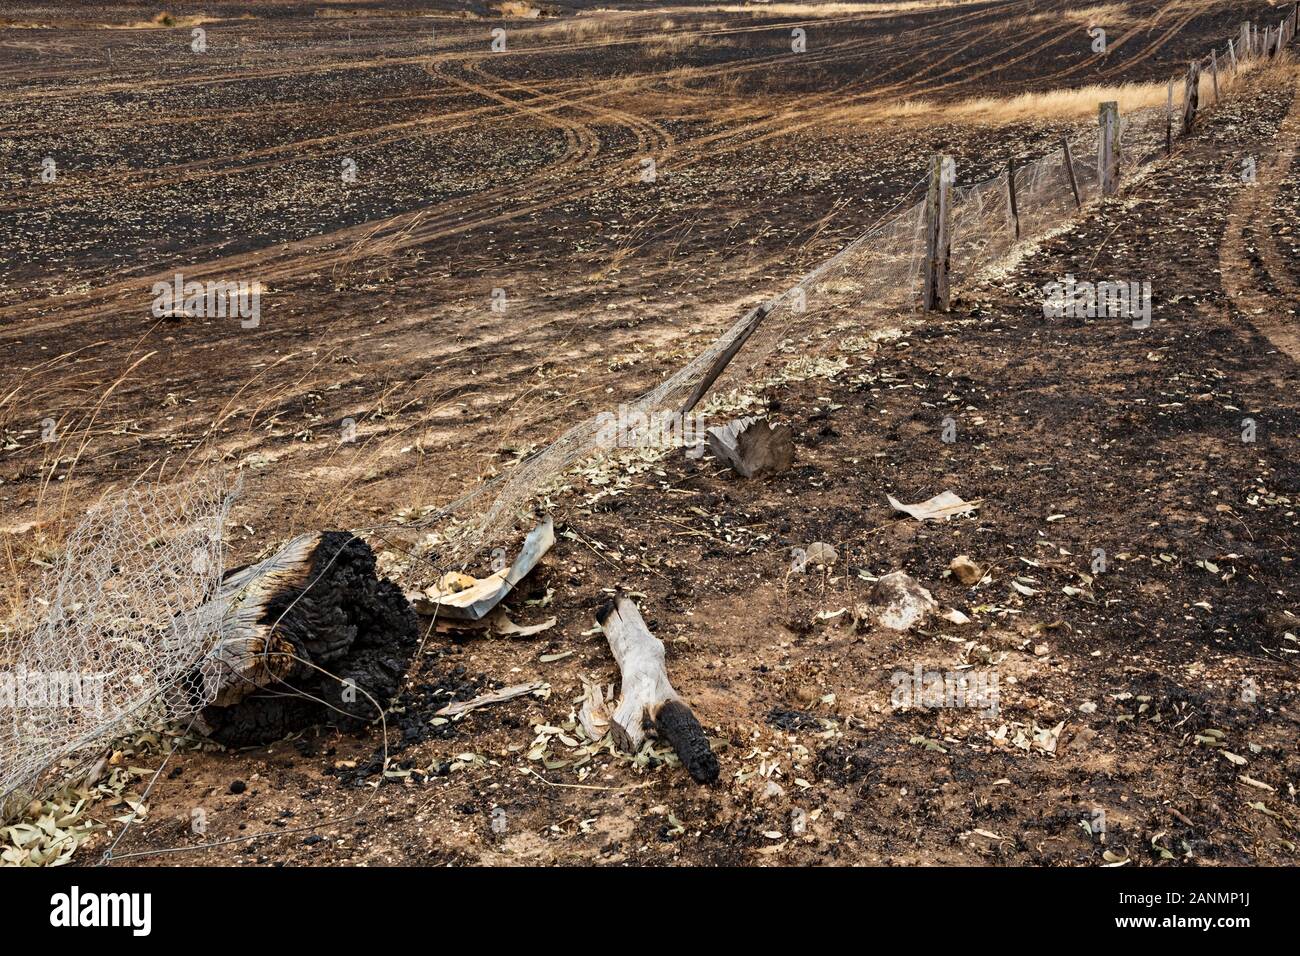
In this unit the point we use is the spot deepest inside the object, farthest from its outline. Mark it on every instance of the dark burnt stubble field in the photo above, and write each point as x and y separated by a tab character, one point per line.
518	176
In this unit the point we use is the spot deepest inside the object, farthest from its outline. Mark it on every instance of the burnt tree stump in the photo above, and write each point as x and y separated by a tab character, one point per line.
311	636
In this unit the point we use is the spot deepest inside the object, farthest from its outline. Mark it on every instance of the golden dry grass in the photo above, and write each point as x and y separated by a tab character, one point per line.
1064	104
166	21
671	43
1102	14
516	9
815	10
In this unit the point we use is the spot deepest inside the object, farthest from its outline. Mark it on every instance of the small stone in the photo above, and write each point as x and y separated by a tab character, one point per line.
965	570
1041	650
1087	707
819	552
898	602
238	786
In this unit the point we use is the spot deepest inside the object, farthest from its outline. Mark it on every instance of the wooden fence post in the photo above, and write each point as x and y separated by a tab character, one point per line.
1233	54
938	242
756	317
1244	46
1191	96
1069	170
1108	147
1214	74
1013	212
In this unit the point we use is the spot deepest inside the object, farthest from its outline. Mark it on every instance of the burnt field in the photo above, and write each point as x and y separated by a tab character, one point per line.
463	250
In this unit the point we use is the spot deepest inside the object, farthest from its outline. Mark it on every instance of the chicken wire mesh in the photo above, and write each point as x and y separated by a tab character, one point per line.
879	273
112	629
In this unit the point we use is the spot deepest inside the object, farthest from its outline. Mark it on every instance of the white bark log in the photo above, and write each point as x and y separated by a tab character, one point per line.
648	701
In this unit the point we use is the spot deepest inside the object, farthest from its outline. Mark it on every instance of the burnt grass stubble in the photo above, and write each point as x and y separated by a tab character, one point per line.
1068	418
1133	435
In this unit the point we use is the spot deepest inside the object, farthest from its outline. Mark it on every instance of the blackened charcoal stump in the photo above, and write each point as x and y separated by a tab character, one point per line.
312	636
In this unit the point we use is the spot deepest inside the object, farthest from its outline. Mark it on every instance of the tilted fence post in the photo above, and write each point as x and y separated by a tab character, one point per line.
1069	171
938	241
1233	54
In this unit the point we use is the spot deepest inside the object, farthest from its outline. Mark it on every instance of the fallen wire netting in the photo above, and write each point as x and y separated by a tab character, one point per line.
116	627
880	272
125	623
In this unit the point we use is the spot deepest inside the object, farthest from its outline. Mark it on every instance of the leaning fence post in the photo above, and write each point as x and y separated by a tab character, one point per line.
1013	212
1191	95
1232	53
756	317
1069	171
938	243
1108	147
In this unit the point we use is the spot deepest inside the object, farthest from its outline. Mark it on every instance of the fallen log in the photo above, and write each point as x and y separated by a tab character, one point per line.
648	701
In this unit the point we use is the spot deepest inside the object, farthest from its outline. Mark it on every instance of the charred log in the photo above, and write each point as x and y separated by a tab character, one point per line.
314	638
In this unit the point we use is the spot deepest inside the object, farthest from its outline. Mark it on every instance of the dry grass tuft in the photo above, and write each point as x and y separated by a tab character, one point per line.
1063	104
1102	14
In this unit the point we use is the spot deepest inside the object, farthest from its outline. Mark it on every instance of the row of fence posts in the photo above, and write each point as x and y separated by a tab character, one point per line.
943	171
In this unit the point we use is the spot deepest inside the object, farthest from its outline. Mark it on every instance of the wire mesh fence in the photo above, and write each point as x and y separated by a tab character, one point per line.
114	629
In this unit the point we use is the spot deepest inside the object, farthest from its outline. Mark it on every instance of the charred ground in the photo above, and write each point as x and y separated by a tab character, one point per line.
520	172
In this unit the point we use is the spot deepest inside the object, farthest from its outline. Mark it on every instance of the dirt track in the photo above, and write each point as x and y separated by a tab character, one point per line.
519	171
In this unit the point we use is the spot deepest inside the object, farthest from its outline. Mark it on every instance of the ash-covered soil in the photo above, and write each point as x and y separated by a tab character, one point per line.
1156	695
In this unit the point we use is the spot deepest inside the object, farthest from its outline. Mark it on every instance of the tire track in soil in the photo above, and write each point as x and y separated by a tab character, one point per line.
416	59
236	164
515	371
420	227
1247	282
